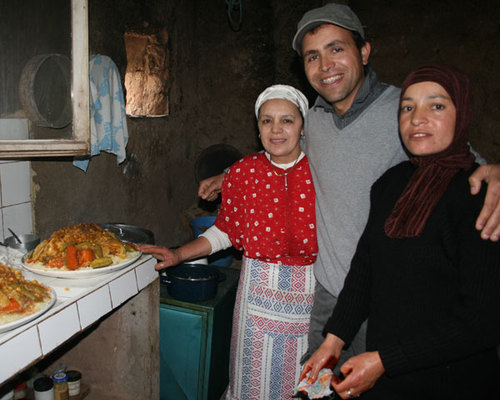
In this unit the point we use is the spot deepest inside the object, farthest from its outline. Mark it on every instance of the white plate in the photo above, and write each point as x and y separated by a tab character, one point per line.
18	322
77	274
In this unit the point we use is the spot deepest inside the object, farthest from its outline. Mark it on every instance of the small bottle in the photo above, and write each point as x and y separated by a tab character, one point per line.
74	378
20	391
61	391
43	388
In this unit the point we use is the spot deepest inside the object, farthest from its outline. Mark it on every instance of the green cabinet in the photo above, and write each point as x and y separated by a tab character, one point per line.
195	341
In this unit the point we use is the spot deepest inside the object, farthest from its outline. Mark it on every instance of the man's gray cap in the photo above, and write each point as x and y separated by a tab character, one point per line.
331	13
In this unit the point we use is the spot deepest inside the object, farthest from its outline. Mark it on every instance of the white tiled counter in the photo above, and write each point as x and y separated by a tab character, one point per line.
80	303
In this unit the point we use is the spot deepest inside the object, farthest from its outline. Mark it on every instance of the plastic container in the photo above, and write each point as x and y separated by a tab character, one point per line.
43	388
222	258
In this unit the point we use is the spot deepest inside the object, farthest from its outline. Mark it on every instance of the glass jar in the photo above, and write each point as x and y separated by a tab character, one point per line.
61	391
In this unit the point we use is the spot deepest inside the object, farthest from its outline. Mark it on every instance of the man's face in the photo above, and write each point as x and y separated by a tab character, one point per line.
334	65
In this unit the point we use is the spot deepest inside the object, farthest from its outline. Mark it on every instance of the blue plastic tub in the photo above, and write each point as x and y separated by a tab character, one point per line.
222	258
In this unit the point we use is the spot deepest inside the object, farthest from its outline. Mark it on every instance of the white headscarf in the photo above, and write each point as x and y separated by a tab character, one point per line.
283	92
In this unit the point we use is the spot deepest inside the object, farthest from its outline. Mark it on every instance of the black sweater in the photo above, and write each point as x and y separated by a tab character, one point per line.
432	302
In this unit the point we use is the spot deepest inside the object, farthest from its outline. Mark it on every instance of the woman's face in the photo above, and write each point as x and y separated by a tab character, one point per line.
427	118
280	126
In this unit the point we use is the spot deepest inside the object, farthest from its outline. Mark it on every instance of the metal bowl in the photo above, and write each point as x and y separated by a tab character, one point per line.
130	233
28	242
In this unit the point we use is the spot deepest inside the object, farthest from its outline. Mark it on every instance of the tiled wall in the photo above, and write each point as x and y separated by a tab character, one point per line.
15	184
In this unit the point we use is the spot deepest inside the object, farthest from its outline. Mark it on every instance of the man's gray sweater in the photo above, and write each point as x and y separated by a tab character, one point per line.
346	158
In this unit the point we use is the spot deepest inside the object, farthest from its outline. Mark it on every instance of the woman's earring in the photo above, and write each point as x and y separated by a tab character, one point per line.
259	135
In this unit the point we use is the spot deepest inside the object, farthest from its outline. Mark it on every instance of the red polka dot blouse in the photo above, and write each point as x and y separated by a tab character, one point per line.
270	213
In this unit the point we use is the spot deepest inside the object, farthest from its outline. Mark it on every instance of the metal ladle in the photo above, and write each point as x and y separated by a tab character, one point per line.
14	234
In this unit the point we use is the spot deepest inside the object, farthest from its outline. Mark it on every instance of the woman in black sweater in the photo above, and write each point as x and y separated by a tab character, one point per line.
422	275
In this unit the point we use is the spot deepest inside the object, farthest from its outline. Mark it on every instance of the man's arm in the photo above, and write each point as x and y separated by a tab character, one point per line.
488	221
210	188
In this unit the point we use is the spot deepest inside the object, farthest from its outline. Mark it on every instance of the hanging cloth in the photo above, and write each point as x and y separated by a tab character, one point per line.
108	121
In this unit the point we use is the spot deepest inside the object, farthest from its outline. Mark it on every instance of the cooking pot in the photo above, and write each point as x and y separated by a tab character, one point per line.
130	233
28	242
192	282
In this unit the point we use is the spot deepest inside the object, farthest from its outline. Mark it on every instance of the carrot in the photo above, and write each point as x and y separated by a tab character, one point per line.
56	263
132	245
71	257
85	256
14	305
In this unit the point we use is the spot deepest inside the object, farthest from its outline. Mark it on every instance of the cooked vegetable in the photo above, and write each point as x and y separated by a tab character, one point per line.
83	245
13	305
56	263
130	246
97	251
85	257
101	262
4	300
71	257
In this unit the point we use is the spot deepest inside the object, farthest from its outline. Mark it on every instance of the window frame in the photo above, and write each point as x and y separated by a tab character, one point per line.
79	144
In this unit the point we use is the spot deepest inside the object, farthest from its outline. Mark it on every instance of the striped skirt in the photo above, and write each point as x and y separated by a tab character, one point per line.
270	326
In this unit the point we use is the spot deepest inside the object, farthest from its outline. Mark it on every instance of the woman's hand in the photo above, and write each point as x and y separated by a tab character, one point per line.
325	357
200	247
361	372
168	257
488	221
210	188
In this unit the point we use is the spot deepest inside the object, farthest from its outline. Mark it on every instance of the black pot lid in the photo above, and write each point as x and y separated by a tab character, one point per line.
192	272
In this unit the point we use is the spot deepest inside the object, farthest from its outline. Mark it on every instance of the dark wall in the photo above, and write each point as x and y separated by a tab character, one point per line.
216	76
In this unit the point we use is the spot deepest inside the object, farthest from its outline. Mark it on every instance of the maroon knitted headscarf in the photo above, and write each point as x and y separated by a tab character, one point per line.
434	172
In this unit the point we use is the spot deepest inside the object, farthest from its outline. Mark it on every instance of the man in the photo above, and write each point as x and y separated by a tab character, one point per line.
351	139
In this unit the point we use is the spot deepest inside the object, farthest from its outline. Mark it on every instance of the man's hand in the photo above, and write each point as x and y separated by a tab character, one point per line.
488	221
210	188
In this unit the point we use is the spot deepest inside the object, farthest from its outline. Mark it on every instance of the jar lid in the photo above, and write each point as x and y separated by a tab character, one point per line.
60	377
43	384
74	375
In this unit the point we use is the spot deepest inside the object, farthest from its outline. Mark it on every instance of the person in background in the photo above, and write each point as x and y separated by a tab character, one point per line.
267	210
351	140
421	274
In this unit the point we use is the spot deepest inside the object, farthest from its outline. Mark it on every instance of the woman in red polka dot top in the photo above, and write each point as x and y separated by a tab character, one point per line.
267	211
